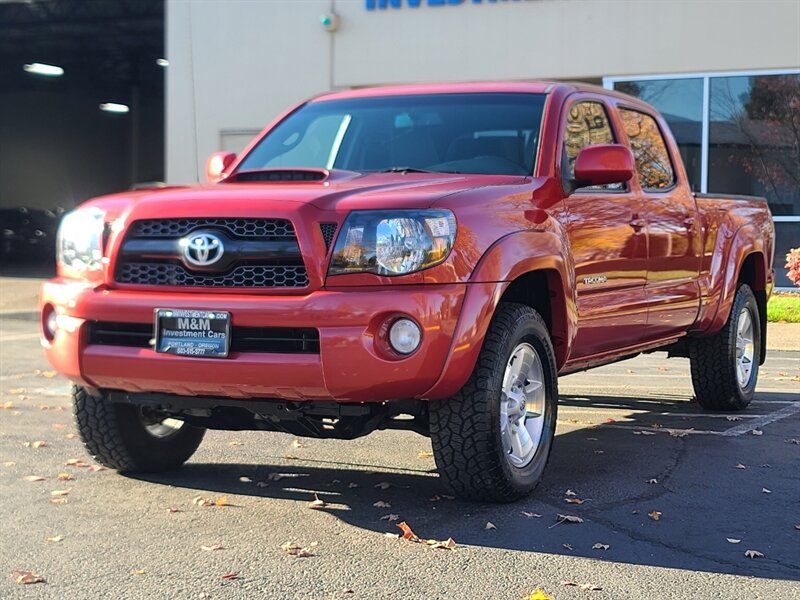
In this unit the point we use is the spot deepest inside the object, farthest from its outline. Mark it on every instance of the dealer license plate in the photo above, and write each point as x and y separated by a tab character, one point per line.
200	333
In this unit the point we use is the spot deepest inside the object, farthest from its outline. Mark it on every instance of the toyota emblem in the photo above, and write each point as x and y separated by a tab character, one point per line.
202	249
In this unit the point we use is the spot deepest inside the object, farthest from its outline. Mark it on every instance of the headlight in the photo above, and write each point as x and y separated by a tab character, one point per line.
80	240
395	242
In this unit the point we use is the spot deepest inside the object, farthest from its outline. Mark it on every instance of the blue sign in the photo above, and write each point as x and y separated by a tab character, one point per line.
384	4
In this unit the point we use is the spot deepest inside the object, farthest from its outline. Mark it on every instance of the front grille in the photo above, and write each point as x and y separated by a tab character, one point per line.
276	340
258	253
246	277
272	229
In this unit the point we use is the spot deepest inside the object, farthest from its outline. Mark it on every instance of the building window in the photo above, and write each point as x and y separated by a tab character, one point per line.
649	150
738	133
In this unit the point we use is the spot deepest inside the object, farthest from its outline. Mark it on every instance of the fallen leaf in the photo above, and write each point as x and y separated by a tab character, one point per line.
644	432
212	548
757	432
34	478
574	500
352	485
679	433
297	444
317	503
381	504
753	554
56	538
390	518
587	587
733	418
566	519
531	515
408	534
9	463
27	577
97	468
138	572
222	501
262	484
61	500
16	391
599	546
652	480
538	594
733	540
71	436
794	441
570	493
609	421
766	491
74	462
489	525
740	466
66	477
230	576
392	535
59	492
448	544
201	501
36	444
7	405
425	454
655	515
245	479
383	485
297	551
348	591
568	547
173	509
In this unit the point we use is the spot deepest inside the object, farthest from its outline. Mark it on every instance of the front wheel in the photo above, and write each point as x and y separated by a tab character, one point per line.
492	440
129	438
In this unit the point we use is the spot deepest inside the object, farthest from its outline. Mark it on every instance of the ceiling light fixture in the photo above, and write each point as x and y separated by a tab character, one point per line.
114	107
43	69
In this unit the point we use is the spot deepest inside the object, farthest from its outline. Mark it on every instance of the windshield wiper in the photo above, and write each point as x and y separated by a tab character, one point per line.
410	170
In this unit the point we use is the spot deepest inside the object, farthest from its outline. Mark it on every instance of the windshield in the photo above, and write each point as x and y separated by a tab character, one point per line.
483	133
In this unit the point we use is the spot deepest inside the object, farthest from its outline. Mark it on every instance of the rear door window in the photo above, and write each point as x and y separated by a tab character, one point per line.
649	150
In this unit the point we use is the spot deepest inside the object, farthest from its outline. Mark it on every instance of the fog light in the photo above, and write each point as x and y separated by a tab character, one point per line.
404	336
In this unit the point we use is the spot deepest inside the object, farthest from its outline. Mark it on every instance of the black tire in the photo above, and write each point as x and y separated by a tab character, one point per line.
714	360
466	430
116	437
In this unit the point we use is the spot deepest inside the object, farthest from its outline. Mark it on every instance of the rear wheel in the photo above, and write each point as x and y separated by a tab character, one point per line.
725	366
130	438
492	440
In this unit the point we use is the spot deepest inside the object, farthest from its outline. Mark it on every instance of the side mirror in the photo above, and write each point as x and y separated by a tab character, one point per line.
216	165
602	164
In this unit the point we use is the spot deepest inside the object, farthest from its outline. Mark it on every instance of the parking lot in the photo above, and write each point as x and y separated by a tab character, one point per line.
631	446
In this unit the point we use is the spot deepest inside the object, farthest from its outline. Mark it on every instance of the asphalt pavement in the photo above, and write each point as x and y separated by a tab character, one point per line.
631	446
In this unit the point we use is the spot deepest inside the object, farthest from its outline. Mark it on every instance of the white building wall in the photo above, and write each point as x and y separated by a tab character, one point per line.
235	64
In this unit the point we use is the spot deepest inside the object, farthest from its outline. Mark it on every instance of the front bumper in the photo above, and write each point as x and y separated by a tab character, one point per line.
349	366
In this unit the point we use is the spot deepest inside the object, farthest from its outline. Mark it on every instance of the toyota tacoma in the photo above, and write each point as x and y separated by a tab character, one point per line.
428	258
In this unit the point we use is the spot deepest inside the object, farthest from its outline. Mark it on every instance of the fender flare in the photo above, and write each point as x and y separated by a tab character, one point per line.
510	257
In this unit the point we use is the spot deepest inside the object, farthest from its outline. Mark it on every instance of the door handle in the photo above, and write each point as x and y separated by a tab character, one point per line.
638	223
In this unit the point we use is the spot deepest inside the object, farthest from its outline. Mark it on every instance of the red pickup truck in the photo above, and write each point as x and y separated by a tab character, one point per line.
428	258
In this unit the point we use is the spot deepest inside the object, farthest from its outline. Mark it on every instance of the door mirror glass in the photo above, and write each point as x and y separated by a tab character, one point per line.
603	164
217	164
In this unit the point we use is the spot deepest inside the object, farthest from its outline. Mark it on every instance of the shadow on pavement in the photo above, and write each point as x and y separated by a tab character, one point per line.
702	496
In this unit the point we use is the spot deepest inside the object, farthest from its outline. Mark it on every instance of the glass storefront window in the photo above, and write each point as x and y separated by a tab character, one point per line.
747	142
680	102
754	139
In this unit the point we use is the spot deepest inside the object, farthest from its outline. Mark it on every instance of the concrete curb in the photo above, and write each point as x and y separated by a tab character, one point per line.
20	315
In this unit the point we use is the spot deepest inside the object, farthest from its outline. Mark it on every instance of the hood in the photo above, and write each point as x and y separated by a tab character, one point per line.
339	191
